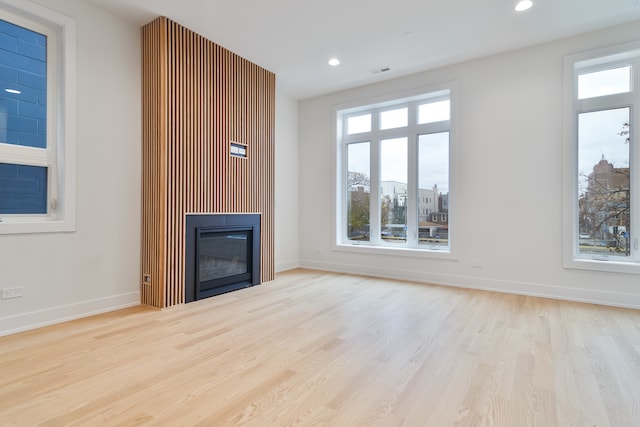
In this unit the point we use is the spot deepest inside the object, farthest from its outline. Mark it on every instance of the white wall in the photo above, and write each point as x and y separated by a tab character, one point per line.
96	268
286	181
510	141
510	165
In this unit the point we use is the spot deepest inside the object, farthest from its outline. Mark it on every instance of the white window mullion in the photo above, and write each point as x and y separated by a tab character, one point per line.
21	155
343	191
413	185
374	213
634	160
412	190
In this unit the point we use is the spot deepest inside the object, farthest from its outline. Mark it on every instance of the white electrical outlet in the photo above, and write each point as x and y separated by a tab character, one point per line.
11	293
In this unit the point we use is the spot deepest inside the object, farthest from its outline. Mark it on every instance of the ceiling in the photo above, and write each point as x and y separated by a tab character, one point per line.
295	38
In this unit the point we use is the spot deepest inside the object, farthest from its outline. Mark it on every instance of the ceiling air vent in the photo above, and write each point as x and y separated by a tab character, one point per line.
380	70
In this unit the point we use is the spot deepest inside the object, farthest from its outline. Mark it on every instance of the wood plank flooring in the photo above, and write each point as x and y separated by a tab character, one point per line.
315	348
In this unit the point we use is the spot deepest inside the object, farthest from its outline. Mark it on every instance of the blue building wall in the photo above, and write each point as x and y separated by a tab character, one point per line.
23	117
23	66
23	189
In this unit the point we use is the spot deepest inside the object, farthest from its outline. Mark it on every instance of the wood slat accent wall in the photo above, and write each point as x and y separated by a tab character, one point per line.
197	97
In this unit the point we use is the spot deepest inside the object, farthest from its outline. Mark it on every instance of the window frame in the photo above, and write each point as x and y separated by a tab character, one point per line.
413	130
59	156
574	65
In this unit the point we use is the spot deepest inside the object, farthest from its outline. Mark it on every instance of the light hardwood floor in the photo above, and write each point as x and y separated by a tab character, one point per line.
315	348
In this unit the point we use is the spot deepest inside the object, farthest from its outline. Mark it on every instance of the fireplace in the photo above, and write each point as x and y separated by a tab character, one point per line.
222	254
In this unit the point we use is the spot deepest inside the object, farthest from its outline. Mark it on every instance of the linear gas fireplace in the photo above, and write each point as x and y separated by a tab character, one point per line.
222	254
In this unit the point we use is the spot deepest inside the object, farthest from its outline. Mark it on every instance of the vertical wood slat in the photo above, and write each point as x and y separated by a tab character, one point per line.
197	96
154	193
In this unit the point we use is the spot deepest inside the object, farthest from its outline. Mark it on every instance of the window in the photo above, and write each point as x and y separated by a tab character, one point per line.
37	119
394	185
602	213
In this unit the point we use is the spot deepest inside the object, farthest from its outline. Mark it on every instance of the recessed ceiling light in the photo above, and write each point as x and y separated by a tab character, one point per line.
17	92
334	61
523	5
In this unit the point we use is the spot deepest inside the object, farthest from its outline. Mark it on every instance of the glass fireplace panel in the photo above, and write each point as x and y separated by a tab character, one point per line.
223	254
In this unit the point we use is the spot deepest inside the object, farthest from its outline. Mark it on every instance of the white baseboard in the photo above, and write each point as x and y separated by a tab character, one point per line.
284	266
602	297
63	313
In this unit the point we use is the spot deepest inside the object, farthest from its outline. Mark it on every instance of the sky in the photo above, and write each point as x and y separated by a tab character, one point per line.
433	156
433	149
599	131
599	136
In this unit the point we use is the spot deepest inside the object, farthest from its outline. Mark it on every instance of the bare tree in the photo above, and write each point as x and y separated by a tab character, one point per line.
357	179
604	205
358	204
626	128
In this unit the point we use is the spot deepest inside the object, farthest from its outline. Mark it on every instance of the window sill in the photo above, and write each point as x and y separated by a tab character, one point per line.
397	251
610	265
36	226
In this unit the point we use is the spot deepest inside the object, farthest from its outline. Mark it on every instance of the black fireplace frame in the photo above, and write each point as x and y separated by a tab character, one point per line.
196	223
